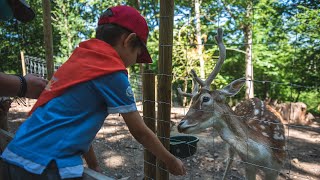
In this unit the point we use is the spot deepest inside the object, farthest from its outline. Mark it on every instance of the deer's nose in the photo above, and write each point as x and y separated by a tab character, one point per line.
180	125
181	122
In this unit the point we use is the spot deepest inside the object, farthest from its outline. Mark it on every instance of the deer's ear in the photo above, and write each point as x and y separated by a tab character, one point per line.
233	88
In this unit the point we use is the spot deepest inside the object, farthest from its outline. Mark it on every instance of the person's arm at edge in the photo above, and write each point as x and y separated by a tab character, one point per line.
149	140
9	85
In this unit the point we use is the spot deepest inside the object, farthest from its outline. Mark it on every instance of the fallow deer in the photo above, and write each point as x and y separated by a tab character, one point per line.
252	130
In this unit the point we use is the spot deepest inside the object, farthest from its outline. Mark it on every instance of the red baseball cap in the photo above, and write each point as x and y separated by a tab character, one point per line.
129	18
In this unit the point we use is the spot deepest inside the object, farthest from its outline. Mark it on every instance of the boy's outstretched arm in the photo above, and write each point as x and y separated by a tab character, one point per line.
149	140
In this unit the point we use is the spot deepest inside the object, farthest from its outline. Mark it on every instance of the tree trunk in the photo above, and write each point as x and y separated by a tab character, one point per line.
199	41
48	40
185	85
298	95
248	48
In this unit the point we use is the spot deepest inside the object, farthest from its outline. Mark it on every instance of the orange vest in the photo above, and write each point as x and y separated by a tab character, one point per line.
93	58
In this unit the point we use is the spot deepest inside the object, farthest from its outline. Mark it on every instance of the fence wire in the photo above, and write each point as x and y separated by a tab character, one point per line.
118	150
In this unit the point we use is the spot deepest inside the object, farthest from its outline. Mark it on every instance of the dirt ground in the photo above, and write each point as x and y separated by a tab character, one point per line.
121	157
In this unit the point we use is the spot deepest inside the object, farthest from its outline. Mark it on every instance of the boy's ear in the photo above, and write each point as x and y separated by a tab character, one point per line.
129	38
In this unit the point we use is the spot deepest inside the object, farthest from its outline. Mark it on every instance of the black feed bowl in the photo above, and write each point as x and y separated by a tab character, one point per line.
183	145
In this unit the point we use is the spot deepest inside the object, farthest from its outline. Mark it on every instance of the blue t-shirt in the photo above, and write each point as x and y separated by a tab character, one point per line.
63	129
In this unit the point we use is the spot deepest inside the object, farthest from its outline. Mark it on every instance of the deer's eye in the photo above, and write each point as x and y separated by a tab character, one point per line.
205	99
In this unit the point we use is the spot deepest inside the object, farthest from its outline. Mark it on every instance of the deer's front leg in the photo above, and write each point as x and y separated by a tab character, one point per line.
229	162
271	174
251	172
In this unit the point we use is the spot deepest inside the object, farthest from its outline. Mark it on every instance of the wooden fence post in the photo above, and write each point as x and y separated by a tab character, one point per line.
24	71
23	63
149	118
164	79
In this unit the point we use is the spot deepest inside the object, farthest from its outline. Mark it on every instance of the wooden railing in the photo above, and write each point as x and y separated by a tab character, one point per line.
35	65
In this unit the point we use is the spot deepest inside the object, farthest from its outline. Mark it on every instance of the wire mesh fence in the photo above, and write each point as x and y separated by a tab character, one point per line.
122	157
36	65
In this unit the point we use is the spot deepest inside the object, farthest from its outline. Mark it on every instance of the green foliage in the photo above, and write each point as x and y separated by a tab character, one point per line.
287	52
312	99
16	37
286	45
73	22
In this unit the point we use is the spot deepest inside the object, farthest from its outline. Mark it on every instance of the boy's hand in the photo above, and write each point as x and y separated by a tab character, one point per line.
176	167
150	141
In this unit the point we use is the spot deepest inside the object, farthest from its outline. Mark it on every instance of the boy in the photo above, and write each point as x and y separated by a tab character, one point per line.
90	85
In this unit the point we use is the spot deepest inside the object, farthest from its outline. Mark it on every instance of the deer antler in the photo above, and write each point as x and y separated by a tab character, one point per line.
208	81
194	91
184	93
196	78
222	57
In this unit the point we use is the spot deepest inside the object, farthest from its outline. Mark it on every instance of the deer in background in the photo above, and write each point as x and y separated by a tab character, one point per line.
252	130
